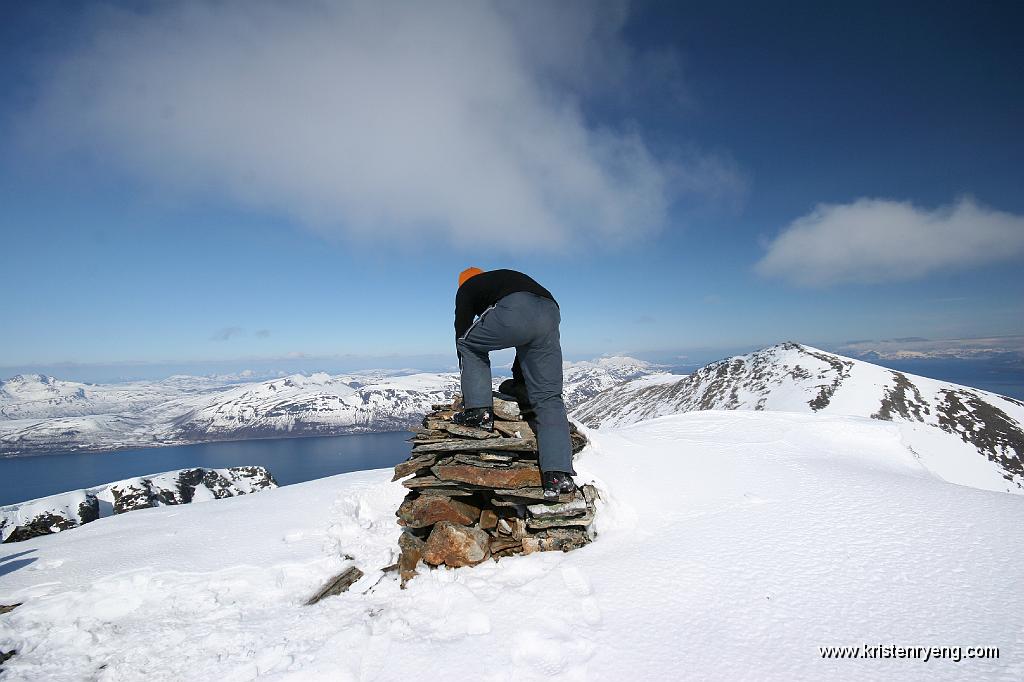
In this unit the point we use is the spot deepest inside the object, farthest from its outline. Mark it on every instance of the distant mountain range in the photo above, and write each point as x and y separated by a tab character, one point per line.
41	414
962	434
1003	348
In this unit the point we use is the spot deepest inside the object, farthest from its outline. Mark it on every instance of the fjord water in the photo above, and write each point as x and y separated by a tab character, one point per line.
290	460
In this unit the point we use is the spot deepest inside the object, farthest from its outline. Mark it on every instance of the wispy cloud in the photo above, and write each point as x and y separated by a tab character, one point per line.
875	240
227	333
381	119
262	333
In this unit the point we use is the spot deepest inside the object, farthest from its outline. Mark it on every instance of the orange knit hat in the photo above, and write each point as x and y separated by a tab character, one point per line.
467	273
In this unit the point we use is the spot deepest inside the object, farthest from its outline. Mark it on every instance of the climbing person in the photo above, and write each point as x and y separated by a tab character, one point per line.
511	310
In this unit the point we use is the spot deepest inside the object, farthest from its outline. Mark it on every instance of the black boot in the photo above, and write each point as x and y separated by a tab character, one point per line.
557	483
480	417
517	390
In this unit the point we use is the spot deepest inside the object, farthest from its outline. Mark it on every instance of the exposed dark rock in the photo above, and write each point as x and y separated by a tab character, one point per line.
826	391
69	510
903	399
986	427
338	584
20	524
88	509
7	608
6	656
578	441
153	491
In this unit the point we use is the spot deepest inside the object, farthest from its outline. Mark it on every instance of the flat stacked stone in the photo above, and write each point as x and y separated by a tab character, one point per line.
476	494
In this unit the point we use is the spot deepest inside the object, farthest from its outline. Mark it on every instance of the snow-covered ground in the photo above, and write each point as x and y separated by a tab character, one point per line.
731	545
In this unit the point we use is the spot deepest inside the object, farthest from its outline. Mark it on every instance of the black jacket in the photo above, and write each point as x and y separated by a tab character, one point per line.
479	293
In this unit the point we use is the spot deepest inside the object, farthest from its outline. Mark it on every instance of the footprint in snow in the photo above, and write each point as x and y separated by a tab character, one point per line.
534	651
575	581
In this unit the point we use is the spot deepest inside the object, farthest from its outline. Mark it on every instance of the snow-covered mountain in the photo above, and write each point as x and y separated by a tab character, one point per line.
36	396
316	405
583	380
42	414
296	405
963	434
730	545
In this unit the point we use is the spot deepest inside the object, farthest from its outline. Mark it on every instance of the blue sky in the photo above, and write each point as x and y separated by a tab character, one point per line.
197	186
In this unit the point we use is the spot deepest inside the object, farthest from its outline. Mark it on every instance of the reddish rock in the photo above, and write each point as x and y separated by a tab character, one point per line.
454	545
427	509
515	476
412	552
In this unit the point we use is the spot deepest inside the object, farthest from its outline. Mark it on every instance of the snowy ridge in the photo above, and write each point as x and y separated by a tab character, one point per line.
763	537
963	434
35	396
56	513
583	380
41	414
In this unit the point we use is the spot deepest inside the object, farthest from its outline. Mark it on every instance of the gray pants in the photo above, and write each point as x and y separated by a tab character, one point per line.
528	323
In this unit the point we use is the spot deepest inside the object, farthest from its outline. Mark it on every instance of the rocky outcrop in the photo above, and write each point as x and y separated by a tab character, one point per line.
187	485
48	515
62	512
475	494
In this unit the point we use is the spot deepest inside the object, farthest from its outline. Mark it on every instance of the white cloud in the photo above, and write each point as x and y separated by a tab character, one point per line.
875	240
383	119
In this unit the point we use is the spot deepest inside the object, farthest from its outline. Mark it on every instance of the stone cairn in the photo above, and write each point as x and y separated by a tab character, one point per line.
476	494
